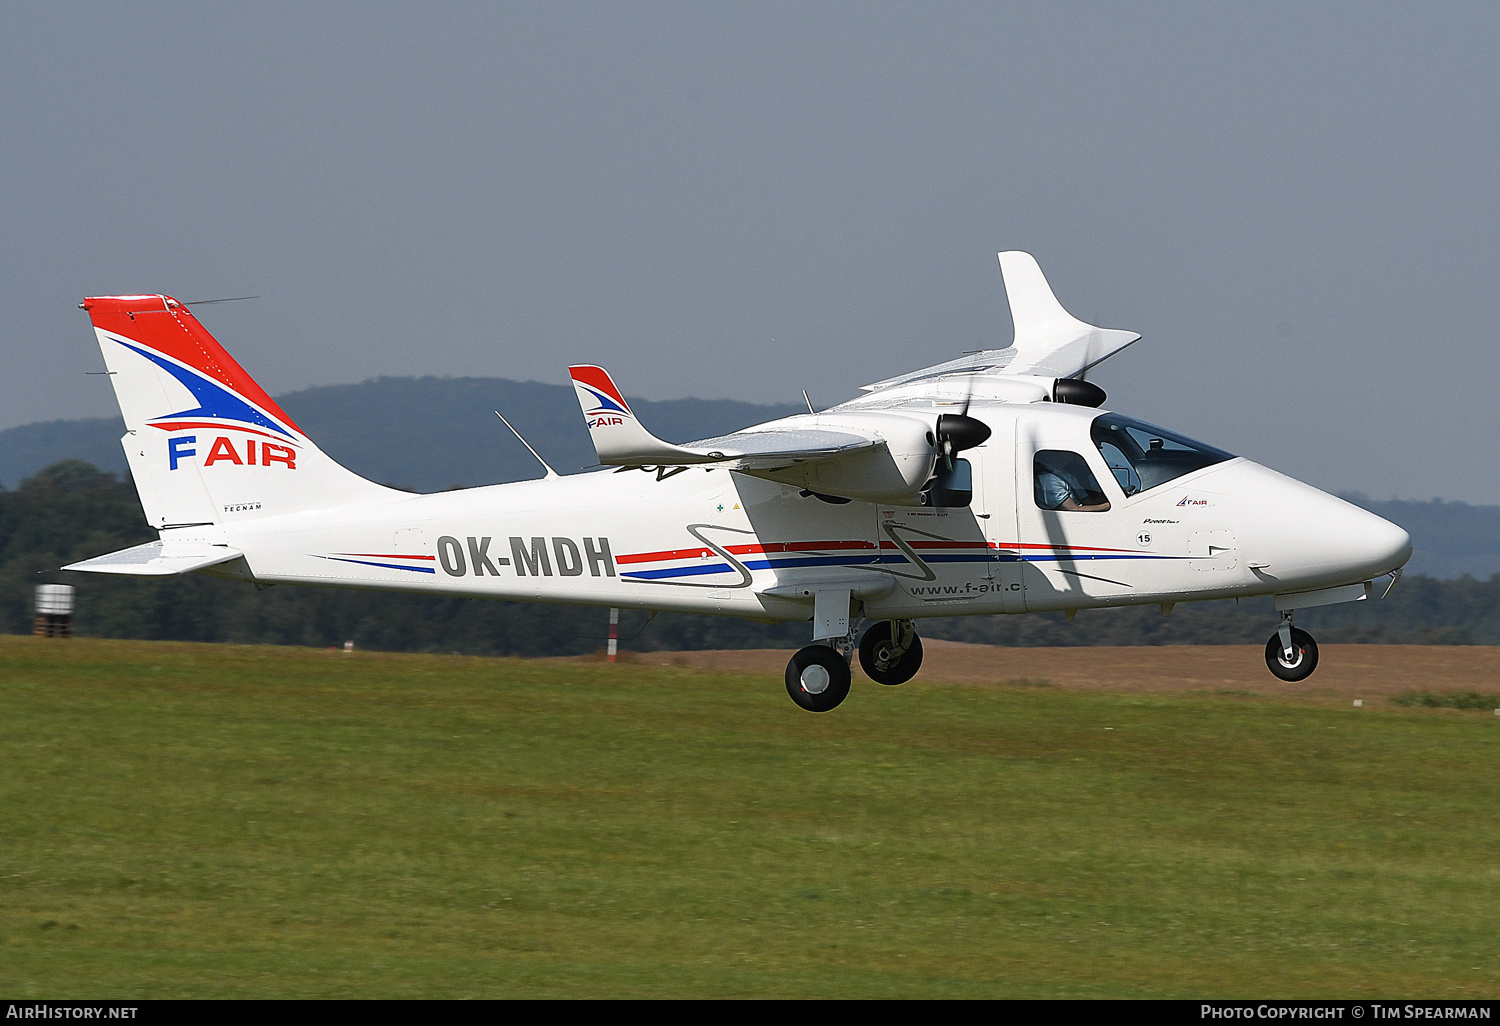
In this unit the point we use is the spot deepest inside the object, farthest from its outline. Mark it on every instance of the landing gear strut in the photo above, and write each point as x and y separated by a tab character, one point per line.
890	652
1291	654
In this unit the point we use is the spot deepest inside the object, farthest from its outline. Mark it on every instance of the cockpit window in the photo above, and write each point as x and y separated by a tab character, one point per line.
1142	456
1065	482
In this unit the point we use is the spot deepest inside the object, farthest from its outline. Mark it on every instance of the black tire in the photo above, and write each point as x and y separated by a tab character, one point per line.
1304	656
833	681
875	656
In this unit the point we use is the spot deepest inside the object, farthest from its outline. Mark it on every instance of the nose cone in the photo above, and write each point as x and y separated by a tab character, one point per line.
1368	545
1304	538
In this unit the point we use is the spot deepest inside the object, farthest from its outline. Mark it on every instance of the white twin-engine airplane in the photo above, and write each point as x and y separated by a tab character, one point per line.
862	518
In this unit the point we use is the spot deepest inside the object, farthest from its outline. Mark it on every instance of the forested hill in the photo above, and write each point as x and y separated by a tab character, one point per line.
423	434
427	434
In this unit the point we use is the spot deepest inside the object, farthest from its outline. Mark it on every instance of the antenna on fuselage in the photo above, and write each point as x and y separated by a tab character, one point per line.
549	470
808	399
230	299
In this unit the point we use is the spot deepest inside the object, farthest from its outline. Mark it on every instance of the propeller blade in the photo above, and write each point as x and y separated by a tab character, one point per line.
964	427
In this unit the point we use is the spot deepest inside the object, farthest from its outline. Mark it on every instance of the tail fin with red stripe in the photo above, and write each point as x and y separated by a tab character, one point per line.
205	443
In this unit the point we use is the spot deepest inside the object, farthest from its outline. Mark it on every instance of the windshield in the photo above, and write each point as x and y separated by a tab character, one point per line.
1142	456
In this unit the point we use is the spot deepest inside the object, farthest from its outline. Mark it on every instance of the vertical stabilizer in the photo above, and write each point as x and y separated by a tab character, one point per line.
205	443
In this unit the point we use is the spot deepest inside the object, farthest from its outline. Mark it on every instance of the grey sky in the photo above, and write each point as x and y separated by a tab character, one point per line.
1297	208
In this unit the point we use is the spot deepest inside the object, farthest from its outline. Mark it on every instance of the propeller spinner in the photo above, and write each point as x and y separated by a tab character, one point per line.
957	432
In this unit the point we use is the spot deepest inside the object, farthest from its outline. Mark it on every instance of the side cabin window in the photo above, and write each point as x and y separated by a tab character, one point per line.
1065	482
1142	456
951	487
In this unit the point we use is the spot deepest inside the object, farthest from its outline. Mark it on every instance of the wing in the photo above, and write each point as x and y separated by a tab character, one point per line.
878	456
622	441
770	448
1049	341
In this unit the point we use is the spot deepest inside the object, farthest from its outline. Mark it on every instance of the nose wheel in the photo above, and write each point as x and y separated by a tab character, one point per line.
1291	654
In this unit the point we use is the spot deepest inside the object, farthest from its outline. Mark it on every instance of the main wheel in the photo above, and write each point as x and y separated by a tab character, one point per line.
882	661
1304	656
817	678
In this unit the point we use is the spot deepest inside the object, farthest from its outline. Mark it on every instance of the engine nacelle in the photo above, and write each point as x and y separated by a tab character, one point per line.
1078	393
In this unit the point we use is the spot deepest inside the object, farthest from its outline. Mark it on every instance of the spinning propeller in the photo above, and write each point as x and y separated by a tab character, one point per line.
959	431
954	433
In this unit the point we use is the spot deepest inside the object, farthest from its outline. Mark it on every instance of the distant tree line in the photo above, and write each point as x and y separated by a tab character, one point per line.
71	511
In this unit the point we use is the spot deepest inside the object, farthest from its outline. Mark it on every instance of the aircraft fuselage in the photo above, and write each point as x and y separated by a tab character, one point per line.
710	540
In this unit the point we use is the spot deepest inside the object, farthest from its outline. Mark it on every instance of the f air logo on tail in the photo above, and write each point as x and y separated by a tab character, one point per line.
606	411
223	450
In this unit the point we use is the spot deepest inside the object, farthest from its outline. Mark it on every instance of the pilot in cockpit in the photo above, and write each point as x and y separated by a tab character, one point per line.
1064	482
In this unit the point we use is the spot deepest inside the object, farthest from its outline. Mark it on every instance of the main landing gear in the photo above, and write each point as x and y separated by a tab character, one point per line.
890	652
818	676
1291	654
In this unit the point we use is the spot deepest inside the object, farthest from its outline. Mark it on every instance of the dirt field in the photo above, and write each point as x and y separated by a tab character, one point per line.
1345	672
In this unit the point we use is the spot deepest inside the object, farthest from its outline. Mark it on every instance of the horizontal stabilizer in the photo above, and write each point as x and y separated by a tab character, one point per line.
159	559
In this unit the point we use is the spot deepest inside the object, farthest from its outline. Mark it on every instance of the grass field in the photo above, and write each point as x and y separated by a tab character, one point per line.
193	820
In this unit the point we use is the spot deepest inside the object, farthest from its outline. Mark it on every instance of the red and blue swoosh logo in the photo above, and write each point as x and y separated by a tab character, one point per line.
215	402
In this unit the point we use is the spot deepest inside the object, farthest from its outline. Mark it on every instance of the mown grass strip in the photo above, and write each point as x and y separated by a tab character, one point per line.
1447	700
192	820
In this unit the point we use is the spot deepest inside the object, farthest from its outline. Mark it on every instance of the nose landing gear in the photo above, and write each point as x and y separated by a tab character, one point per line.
1291	653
